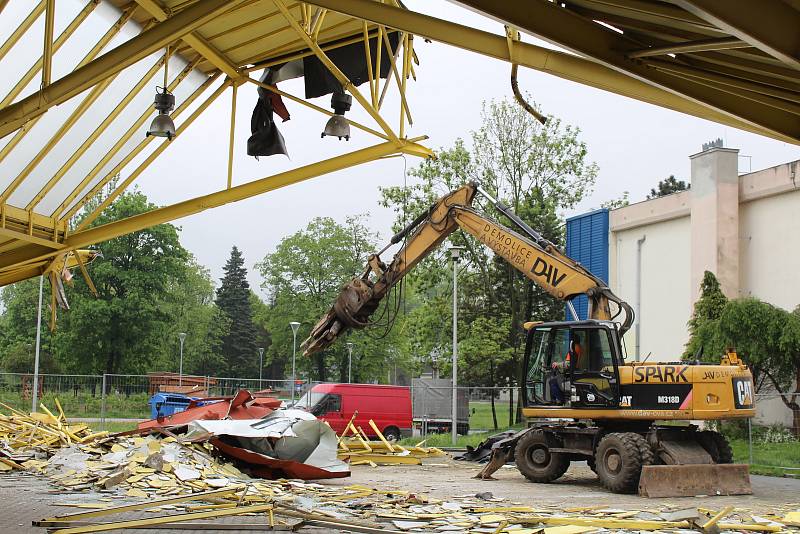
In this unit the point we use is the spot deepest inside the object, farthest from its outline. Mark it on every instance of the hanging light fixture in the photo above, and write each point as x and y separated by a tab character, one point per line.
337	125
162	125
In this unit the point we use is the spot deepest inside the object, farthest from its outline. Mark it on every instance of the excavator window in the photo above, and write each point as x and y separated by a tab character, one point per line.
593	375
537	357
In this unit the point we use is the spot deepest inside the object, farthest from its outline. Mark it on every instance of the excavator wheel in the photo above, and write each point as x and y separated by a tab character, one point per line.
716	445
534	459
619	458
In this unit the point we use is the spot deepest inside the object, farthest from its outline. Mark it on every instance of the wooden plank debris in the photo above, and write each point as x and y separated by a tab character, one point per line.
184	483
355	446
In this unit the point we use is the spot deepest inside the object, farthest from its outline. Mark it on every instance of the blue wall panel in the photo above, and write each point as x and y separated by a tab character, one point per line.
587	243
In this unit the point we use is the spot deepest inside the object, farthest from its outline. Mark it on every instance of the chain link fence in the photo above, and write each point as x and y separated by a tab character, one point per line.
109	397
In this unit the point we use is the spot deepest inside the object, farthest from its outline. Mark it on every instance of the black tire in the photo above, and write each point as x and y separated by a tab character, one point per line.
619	458
716	445
534	459
391	433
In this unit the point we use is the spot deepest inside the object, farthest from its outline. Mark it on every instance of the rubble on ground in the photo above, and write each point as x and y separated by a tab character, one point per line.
178	481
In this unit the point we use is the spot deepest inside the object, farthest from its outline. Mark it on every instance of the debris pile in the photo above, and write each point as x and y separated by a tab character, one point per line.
289	504
140	466
21	433
180	482
355	446
282	444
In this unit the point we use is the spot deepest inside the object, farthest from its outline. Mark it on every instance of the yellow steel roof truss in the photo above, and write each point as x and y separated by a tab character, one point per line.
699	57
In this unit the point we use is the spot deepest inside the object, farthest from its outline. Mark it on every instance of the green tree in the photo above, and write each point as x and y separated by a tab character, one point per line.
190	303
617	203
233	298
122	330
667	187
483	350
768	338
303	277
539	171
704	336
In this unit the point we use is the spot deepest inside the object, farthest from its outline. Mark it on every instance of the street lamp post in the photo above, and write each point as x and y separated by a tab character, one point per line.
349	363
455	253
182	337
260	365
35	395
295	325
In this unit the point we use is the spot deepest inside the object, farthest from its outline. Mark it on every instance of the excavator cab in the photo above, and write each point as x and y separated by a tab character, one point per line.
574	364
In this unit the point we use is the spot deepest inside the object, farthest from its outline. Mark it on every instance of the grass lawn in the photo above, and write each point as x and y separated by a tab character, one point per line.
480	417
86	405
768	457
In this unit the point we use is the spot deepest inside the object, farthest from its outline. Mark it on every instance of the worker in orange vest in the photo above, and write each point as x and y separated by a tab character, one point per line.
556	392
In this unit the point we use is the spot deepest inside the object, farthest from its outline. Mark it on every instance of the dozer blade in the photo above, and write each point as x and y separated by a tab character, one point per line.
689	480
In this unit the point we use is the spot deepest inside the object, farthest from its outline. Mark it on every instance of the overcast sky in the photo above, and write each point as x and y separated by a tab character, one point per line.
634	145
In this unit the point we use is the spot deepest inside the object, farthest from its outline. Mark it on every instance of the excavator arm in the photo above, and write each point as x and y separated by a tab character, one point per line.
534	256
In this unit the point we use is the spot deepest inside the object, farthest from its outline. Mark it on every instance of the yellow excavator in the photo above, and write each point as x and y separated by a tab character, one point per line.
582	400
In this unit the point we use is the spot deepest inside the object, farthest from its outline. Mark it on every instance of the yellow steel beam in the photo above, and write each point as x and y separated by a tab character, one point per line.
47	53
79	111
112	62
337	73
300	55
134	128
86	221
110	34
194	40
23	82
232	134
15	36
145	505
3	4
567	66
97	234
756	87
164	520
84	106
96	133
772	26
554	23
702	45
6	232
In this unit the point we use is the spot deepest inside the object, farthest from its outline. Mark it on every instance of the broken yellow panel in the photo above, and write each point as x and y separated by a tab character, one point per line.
134	492
792	519
118	448
569	529
492	518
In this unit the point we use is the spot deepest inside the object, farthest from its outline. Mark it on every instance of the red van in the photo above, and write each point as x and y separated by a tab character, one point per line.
388	406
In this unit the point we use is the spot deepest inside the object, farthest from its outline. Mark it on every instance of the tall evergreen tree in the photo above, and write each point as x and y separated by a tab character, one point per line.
704	336
239	347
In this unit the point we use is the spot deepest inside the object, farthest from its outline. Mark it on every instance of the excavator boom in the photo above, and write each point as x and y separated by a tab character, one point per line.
535	257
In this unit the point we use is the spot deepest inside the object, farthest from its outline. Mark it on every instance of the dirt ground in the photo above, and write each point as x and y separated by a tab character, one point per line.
26	497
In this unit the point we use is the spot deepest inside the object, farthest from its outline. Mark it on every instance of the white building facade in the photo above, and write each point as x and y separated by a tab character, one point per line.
745	229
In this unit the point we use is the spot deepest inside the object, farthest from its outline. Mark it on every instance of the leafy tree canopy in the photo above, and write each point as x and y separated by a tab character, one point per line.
540	171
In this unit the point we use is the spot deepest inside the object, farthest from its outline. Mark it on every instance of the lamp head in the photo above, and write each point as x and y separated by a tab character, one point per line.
182	336
295	325
162	125
337	125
